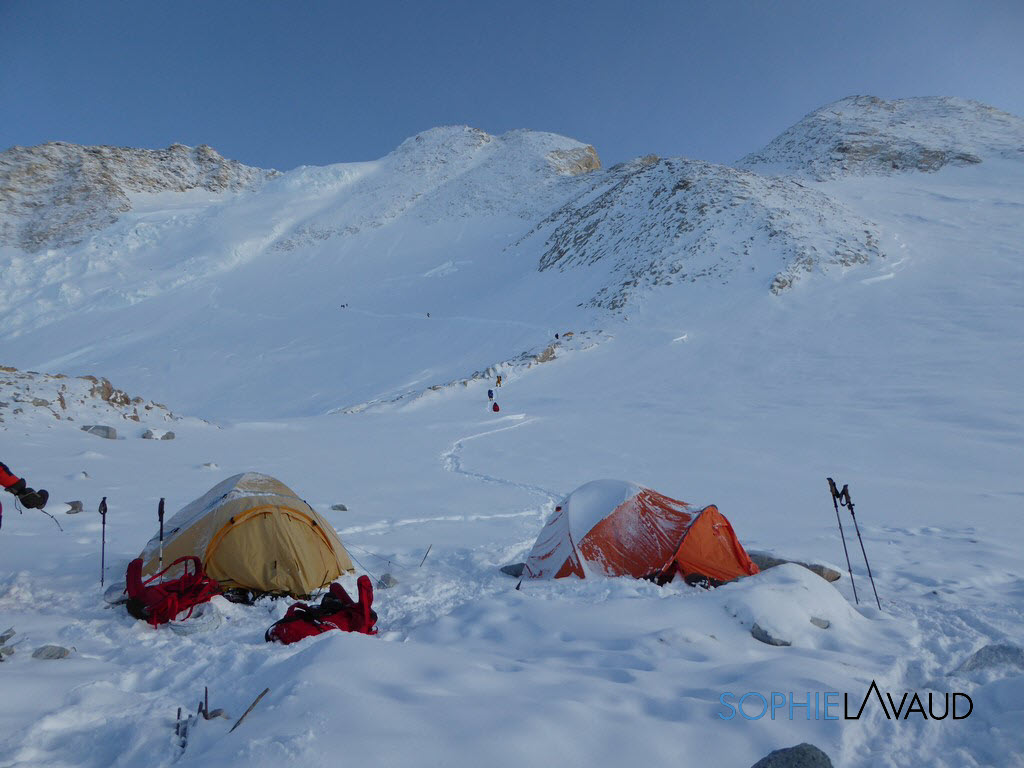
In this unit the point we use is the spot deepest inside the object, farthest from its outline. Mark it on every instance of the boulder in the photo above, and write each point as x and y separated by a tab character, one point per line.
766	560
994	655
759	633
801	756
157	434
387	581
101	431
339	507
50	652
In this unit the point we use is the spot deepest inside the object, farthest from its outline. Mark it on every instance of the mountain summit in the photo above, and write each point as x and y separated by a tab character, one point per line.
864	135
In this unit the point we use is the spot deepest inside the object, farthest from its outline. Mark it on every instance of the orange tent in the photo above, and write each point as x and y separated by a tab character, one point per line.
615	528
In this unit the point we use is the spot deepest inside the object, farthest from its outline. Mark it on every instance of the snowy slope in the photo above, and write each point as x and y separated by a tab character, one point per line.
898	374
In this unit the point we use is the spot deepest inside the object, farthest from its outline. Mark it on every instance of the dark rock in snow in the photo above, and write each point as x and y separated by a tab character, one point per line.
51	652
994	655
149	434
339	507
820	623
765	560
801	756
759	633
101	431
515	570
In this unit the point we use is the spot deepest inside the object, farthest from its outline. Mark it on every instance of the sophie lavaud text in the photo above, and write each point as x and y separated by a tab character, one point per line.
833	705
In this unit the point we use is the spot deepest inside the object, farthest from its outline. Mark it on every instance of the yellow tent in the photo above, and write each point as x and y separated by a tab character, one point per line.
253	532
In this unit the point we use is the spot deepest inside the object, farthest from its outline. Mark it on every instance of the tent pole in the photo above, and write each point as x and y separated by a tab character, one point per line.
160	516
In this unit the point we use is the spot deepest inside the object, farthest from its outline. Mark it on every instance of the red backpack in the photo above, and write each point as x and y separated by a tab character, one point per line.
161	602
336	611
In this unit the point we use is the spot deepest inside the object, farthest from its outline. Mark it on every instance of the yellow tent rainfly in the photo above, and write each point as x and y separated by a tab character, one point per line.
253	532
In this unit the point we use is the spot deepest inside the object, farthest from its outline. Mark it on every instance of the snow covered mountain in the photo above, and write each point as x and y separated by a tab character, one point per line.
659	221
725	335
864	135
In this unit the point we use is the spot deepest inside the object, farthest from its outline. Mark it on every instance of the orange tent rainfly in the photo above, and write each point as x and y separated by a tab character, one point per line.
615	528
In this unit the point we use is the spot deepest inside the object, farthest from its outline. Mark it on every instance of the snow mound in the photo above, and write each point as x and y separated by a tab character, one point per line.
868	136
793	605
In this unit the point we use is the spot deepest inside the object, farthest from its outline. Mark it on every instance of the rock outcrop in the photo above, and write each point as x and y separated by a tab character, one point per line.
53	195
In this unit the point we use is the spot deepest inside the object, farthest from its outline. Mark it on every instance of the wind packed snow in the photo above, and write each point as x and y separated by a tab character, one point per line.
285	323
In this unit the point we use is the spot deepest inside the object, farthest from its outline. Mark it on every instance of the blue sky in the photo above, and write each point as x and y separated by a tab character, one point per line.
282	84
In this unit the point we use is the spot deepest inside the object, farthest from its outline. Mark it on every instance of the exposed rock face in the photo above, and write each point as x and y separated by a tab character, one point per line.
30	397
53	195
575	161
864	135
662	221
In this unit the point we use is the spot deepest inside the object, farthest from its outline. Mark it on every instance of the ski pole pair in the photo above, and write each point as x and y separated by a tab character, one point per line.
842	498
103	540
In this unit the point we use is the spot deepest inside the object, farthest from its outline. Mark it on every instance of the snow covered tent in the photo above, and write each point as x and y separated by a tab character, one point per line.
252	531
615	528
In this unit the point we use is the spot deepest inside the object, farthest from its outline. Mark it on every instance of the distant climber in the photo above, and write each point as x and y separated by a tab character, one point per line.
556	336
490	394
495	408
498	383
428	314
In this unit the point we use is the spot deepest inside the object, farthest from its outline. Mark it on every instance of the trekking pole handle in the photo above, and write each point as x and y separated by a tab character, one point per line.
843	496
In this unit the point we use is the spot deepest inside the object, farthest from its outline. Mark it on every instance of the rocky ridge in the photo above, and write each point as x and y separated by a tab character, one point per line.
54	195
28	398
865	135
658	221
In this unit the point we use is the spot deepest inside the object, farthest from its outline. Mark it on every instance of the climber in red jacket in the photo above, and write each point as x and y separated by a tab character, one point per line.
32	499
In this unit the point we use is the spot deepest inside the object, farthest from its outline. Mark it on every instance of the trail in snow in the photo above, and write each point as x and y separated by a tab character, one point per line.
452	462
435	316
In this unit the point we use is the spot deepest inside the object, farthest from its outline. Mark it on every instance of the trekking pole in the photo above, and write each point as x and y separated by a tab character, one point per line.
103	545
846	501
160	515
835	497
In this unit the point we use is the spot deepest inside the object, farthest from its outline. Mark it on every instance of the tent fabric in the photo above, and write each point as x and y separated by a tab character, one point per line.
252	531
615	528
